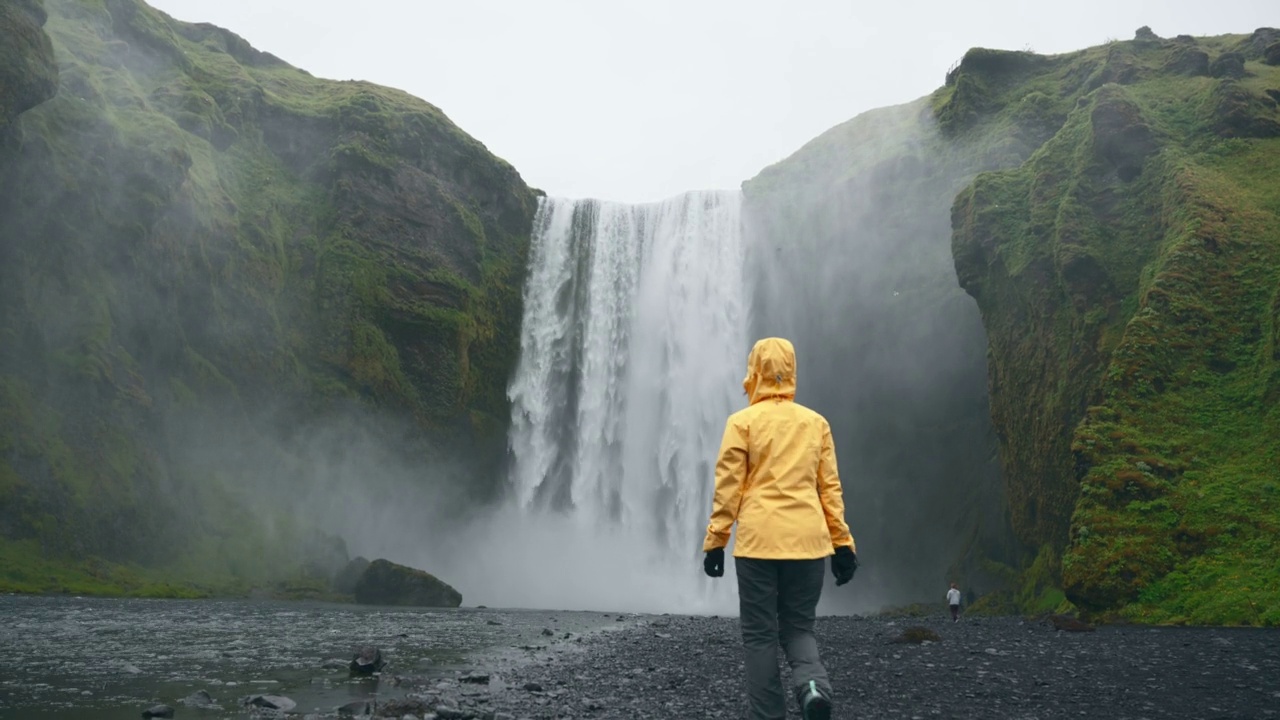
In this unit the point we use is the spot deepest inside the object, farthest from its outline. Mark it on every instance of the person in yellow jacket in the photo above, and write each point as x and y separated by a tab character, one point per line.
777	479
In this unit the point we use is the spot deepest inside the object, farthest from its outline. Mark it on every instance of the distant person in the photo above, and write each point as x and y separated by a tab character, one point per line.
953	599
776	478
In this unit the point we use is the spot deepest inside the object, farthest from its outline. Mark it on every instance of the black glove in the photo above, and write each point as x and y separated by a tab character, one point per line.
713	563
844	564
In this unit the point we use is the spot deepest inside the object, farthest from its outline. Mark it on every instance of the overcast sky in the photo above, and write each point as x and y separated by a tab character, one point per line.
638	101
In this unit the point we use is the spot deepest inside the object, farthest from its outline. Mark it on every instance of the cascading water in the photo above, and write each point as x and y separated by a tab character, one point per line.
633	346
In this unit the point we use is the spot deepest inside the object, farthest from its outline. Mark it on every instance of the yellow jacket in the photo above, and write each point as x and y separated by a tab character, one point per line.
776	475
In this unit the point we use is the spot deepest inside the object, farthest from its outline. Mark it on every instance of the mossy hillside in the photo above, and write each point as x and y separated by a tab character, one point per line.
1180	496
194	227
1126	278
28	71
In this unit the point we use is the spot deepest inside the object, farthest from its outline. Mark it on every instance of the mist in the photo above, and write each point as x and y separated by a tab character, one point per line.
637	322
244	386
857	272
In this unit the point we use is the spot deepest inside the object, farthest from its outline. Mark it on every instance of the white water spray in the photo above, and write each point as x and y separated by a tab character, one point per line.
633	347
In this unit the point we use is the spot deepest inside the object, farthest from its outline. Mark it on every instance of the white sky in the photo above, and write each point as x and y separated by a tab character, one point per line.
638	101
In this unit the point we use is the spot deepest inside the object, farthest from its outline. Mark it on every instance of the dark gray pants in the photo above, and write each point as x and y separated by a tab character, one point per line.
778	600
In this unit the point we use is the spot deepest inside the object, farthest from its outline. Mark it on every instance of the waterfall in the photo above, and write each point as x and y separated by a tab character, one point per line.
633	346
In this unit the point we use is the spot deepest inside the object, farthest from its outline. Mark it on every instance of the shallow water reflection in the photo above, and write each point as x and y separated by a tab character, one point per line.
111	658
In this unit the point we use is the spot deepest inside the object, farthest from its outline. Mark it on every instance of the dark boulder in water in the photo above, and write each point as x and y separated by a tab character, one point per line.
368	661
200	699
386	583
269	702
158	711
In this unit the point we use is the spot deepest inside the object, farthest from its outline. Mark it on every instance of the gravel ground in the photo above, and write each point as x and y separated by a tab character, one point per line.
684	667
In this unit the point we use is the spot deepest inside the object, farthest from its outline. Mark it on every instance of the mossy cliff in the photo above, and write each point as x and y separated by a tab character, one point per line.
1128	274
1113	212
201	245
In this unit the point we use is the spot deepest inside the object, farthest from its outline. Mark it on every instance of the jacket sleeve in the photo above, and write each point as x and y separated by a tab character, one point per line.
731	476
830	492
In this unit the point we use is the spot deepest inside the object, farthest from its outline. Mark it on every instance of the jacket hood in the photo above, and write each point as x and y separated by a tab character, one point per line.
771	370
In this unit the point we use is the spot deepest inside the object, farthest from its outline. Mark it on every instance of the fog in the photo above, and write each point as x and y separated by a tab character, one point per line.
598	497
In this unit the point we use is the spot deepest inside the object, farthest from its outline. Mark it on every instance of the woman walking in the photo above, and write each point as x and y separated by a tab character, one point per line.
777	480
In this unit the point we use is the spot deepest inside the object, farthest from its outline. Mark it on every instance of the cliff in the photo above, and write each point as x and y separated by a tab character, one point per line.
1112	212
1128	281
207	254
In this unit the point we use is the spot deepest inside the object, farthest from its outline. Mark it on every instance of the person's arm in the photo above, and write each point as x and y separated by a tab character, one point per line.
731	476
831	494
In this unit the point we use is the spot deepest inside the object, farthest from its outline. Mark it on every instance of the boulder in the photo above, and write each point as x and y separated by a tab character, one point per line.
200	699
1271	55
1145	34
367	661
1228	64
1188	61
386	583
158	711
269	702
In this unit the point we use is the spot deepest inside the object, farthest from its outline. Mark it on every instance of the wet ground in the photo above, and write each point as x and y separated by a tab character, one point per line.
71	658
108	658
979	668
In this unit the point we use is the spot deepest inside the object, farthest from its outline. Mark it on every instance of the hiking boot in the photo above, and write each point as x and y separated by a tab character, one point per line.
813	704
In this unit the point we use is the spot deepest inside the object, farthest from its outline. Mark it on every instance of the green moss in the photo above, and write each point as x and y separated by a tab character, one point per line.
24	568
28	73
1126	274
195	227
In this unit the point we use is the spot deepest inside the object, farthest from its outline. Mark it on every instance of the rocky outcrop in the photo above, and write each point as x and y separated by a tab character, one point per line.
386	583
1126	274
28	70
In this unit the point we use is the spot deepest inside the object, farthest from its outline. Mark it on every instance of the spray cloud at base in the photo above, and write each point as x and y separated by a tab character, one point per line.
843	249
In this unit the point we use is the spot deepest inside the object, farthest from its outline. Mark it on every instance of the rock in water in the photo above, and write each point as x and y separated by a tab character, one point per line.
269	702
158	711
200	699
357	708
368	661
386	583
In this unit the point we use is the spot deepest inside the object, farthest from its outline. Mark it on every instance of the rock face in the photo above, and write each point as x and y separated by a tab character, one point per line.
28	70
1127	276
207	254
386	583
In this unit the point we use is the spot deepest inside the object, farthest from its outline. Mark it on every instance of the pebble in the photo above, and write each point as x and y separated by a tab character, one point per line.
999	667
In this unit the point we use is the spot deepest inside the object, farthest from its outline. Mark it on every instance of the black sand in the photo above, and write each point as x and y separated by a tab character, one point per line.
682	667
